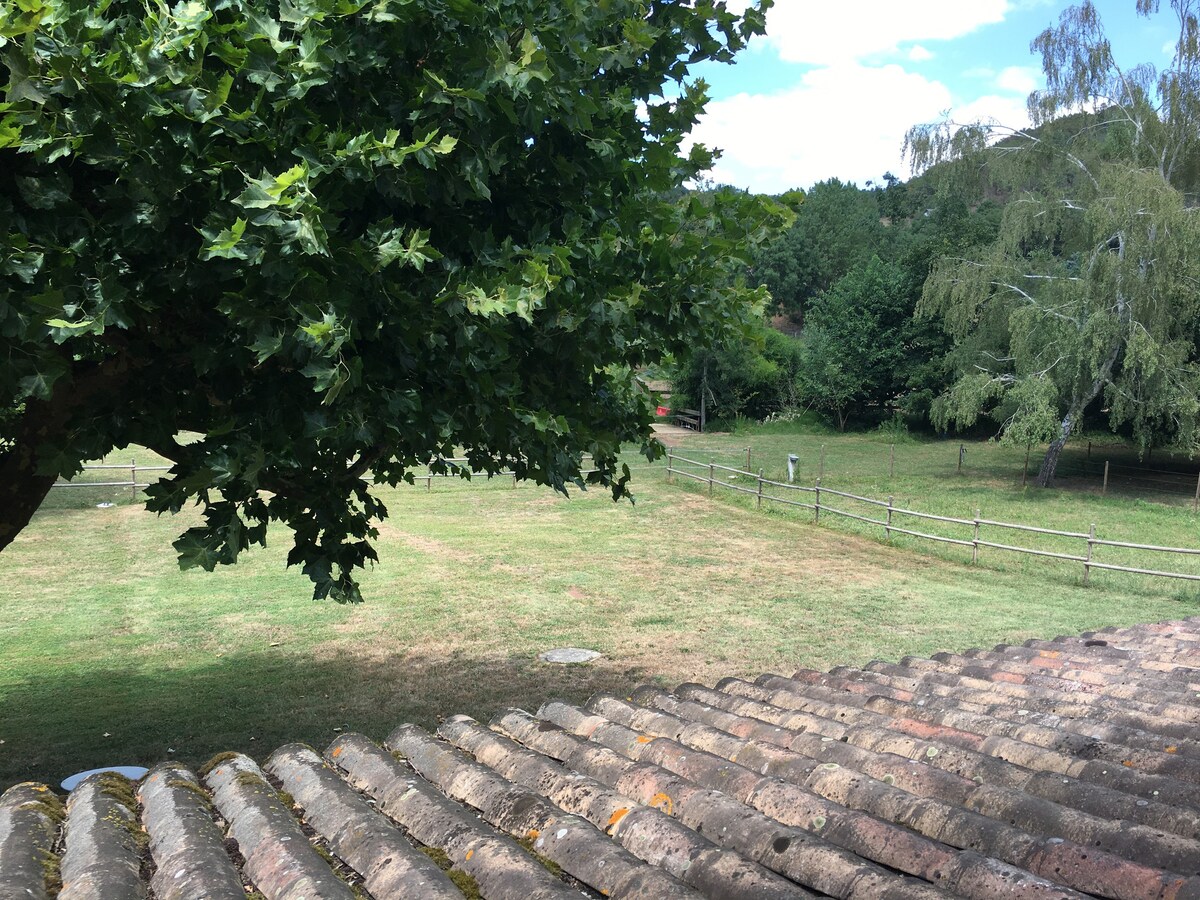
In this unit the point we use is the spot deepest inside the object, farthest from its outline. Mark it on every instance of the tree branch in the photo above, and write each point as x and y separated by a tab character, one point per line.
366	459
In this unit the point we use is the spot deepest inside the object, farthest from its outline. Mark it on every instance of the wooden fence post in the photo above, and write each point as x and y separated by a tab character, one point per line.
429	483
1104	490
961	452
758	502
670	466
975	539
887	529
892	462
1087	566
817	505
133	480
710	478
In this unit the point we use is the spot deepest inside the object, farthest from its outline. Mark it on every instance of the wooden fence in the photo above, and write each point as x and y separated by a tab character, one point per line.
1134	479
457	464
767	491
133	468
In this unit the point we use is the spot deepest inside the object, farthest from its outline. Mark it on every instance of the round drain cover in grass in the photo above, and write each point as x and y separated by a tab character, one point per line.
133	773
568	655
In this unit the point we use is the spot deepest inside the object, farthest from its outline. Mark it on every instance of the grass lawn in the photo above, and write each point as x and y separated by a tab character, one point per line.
109	654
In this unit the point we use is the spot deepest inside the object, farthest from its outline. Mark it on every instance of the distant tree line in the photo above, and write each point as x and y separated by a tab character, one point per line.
1029	282
844	338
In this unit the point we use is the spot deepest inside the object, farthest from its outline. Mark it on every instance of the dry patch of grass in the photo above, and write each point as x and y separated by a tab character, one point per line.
439	550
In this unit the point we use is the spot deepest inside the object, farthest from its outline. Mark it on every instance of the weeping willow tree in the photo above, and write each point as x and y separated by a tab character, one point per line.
1090	296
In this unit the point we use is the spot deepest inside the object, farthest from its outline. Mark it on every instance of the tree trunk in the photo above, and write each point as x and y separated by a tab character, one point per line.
24	484
1045	475
22	490
1079	402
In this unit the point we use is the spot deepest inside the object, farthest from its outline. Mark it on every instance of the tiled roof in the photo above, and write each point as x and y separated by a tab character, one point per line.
1056	769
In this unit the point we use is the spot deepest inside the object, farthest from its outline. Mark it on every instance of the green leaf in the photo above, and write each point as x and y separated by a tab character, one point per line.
24	265
198	549
415	252
38	385
266	345
44	193
226	244
62	330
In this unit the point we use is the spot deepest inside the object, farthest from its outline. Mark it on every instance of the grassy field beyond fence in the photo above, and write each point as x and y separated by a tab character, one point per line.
927	479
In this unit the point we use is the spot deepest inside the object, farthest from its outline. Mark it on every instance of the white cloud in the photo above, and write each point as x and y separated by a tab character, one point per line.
1009	112
848	113
847	121
1018	80
832	33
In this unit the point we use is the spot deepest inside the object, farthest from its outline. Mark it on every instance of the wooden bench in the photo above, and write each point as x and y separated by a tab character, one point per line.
688	418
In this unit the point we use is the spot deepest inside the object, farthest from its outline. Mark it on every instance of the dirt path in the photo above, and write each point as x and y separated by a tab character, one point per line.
674	436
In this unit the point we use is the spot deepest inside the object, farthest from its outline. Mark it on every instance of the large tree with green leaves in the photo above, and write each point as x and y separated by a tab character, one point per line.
837	226
337	239
1089	295
857	341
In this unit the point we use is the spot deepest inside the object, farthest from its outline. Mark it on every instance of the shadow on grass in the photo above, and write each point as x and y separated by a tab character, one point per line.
54	725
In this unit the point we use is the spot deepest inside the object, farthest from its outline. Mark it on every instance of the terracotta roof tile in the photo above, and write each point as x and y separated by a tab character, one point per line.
1053	770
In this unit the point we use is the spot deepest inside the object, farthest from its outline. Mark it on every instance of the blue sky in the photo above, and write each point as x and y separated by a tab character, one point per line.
833	87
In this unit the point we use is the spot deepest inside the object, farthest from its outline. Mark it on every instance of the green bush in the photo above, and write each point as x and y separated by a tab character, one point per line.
747	379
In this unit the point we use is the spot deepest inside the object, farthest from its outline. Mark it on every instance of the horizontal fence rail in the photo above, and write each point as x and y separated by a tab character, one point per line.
455	470
457	466
132	468
707	475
